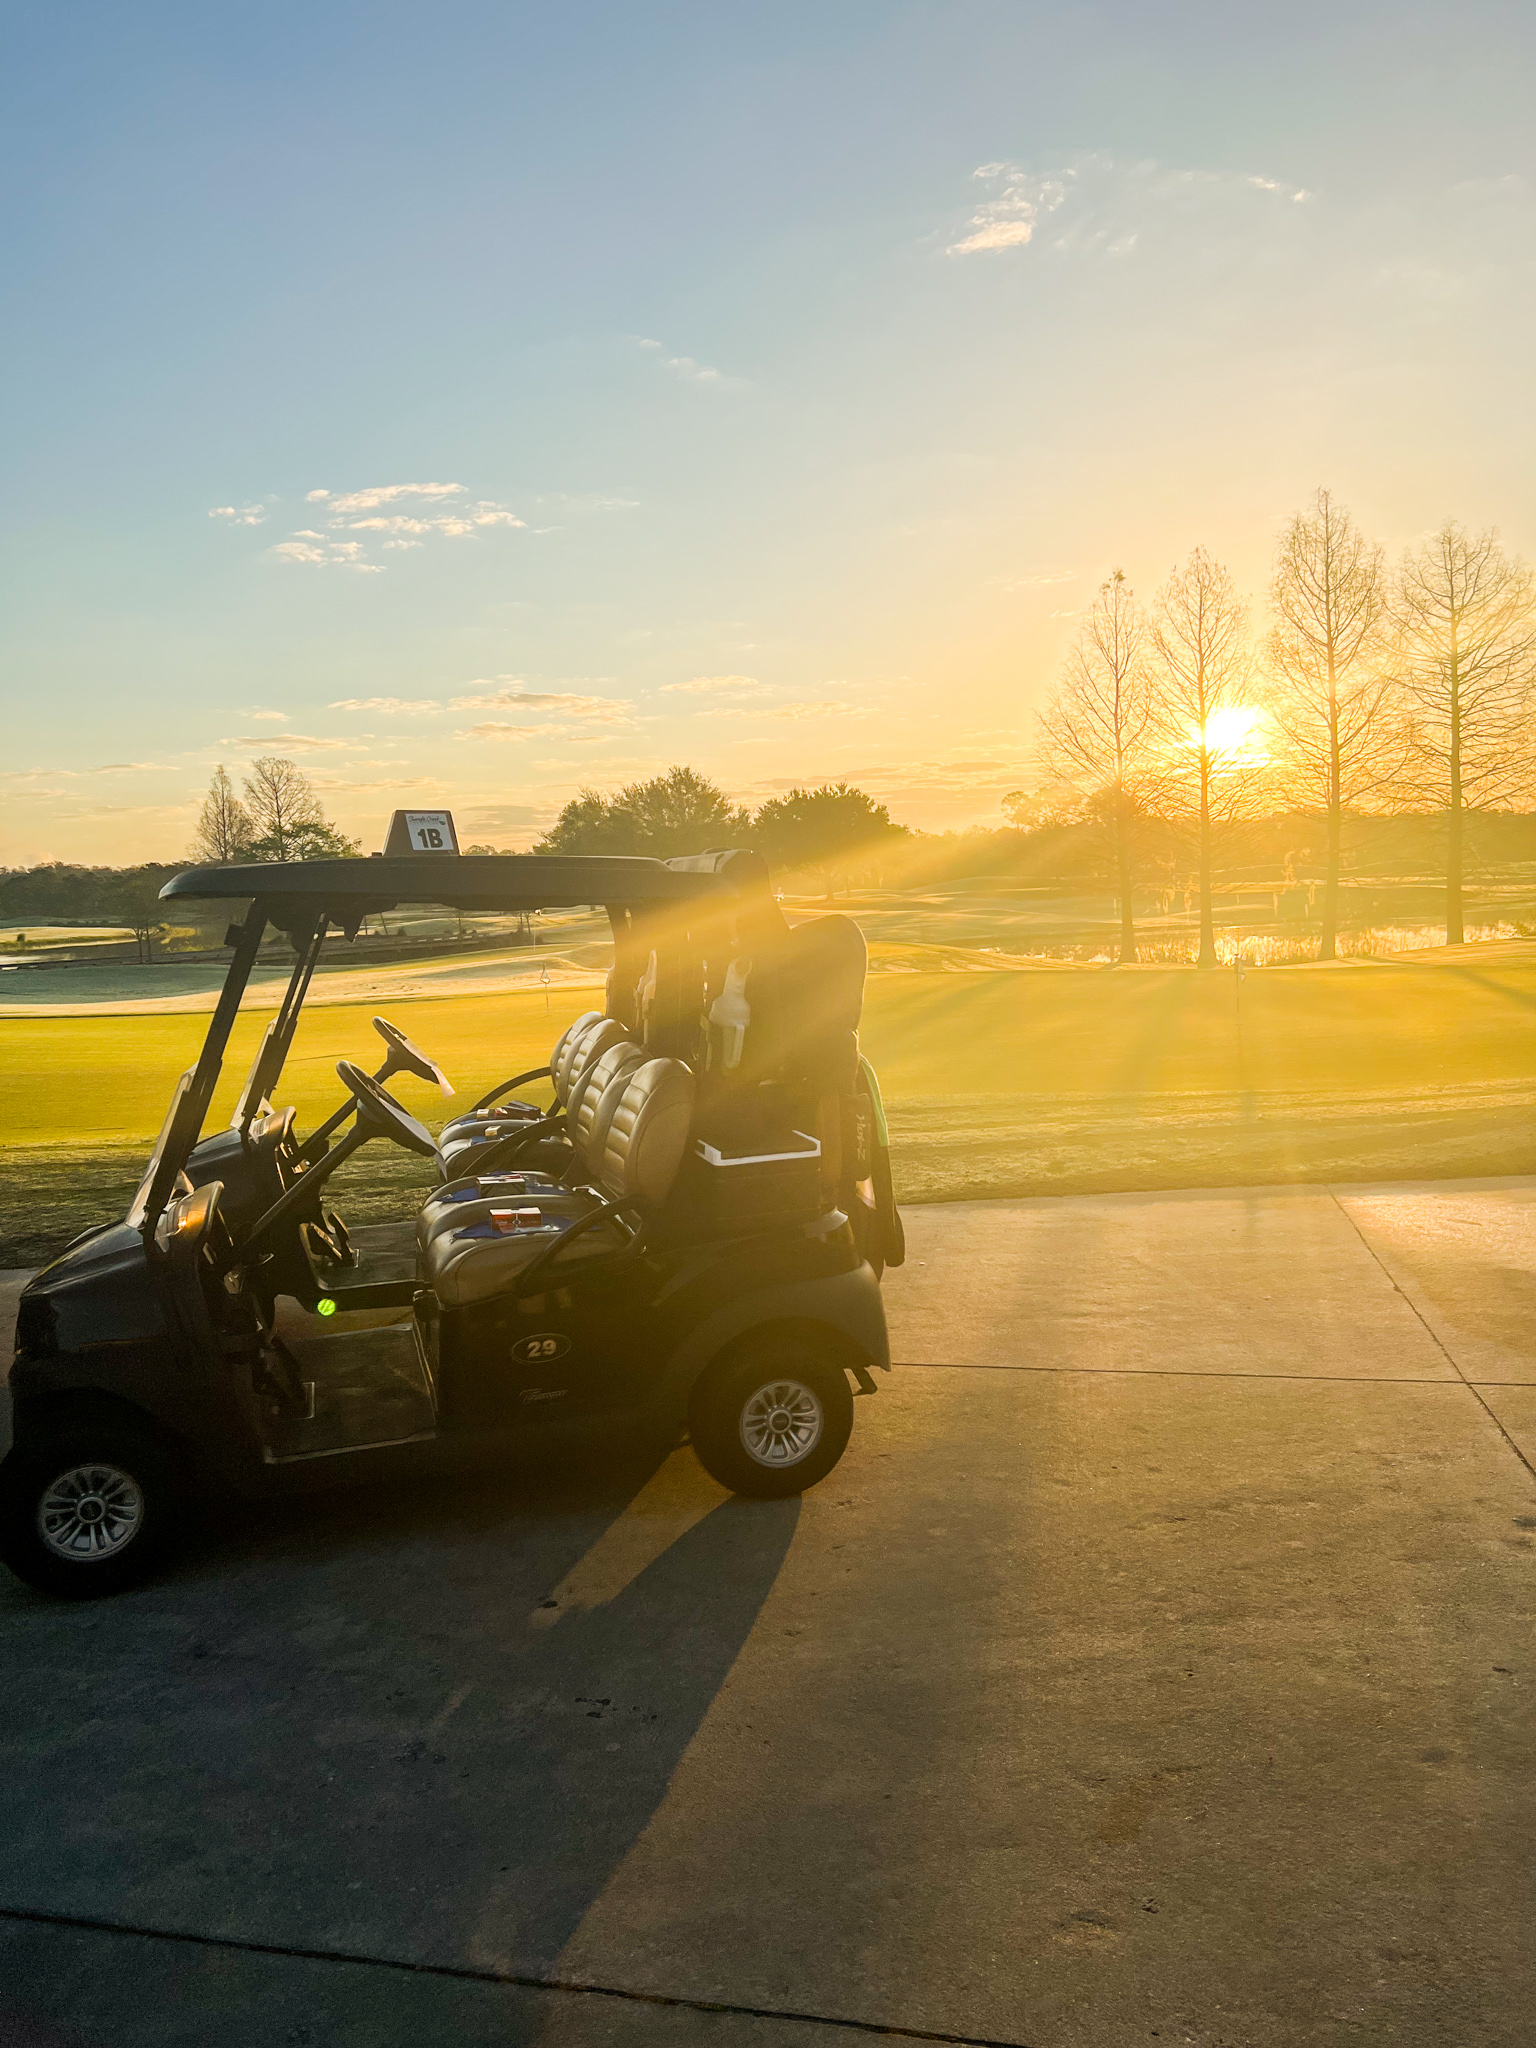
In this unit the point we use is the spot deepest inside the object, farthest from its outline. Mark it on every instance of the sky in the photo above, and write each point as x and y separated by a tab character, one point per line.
479	402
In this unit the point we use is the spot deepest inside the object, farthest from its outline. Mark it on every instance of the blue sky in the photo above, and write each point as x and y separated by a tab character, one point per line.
786	377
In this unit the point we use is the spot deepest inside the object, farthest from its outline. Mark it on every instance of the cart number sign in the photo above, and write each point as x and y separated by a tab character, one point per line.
421	832
540	1349
431	832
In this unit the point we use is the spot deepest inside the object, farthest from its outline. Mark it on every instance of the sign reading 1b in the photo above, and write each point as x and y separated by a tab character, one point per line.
422	832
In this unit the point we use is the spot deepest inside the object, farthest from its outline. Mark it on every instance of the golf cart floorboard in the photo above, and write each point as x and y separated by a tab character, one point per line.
371	1389
383	1252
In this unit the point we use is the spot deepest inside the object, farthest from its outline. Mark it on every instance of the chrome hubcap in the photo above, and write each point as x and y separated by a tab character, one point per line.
781	1424
90	1512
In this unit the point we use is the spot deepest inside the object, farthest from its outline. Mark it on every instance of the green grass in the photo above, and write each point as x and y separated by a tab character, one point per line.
1004	1082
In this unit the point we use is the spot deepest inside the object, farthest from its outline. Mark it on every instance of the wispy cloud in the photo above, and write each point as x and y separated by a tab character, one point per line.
320	551
424	510
1104	202
405	529
1007	220
504	729
500	693
345	502
1298	197
688	368
298	742
709	686
610	710
75	774
819	708
268	717
239	515
401	706
349	783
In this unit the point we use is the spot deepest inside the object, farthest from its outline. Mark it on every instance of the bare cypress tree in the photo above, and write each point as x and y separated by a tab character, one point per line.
283	807
224	829
1332	696
1097	730
1210	769
1466	619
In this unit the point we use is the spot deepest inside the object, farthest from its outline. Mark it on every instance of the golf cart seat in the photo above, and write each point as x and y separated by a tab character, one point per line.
603	1088
495	1106
572	1061
646	1138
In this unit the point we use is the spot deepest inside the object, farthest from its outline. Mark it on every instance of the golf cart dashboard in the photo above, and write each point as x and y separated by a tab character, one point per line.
193	1231
273	1136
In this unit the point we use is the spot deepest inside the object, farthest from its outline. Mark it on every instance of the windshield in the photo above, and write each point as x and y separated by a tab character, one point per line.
167	1145
254	1100
272	1052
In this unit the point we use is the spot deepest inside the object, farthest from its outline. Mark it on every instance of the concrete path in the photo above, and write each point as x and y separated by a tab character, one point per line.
1155	1668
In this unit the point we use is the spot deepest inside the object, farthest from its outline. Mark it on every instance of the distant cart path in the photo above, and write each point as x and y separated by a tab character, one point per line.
168	990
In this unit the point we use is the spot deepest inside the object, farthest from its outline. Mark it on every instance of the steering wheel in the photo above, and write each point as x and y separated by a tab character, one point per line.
406	1058
375	1106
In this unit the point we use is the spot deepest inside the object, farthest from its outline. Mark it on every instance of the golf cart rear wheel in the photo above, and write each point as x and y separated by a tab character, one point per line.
772	1418
86	1509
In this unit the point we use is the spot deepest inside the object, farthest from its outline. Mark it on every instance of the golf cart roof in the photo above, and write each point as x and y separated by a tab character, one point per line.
475	881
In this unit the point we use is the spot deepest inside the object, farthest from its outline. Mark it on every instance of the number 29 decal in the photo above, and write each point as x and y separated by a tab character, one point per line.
541	1348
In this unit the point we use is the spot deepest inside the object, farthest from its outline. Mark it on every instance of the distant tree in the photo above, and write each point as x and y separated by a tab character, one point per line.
679	812
1098	732
1210	761
588	824
224	830
1040	810
1335	704
54	889
1466	624
132	898
823	830
287	816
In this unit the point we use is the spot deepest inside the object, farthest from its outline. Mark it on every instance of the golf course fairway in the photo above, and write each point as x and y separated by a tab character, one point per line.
1048	1080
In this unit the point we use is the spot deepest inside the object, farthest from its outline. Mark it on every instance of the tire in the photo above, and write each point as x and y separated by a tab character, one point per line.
771	1418
87	1508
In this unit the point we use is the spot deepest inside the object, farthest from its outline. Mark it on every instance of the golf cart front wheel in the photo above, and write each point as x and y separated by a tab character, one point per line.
86	1510
772	1419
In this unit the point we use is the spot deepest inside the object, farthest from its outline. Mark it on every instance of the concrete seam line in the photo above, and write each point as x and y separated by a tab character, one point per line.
511	1979
1440	1346
1173	1372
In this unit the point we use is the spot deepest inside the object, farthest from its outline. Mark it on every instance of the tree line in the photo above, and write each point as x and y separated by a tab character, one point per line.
817	831
1368	688
278	817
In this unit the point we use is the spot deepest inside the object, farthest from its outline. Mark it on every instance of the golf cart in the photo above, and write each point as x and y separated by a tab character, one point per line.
678	1223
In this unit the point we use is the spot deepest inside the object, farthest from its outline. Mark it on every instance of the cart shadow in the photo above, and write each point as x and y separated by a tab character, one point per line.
429	1729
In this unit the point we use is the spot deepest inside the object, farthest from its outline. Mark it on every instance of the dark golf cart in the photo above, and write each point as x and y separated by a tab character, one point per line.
679	1223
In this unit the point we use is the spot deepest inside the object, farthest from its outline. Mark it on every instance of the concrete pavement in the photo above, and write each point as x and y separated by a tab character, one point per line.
1155	1667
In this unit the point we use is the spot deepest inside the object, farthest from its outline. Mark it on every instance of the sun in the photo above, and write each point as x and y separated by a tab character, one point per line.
1232	730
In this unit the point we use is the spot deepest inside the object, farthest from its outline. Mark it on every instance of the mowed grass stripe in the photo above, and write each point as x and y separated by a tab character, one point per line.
1349	1031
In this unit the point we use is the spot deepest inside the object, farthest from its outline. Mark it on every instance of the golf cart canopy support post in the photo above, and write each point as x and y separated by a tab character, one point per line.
272	1054
186	1124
